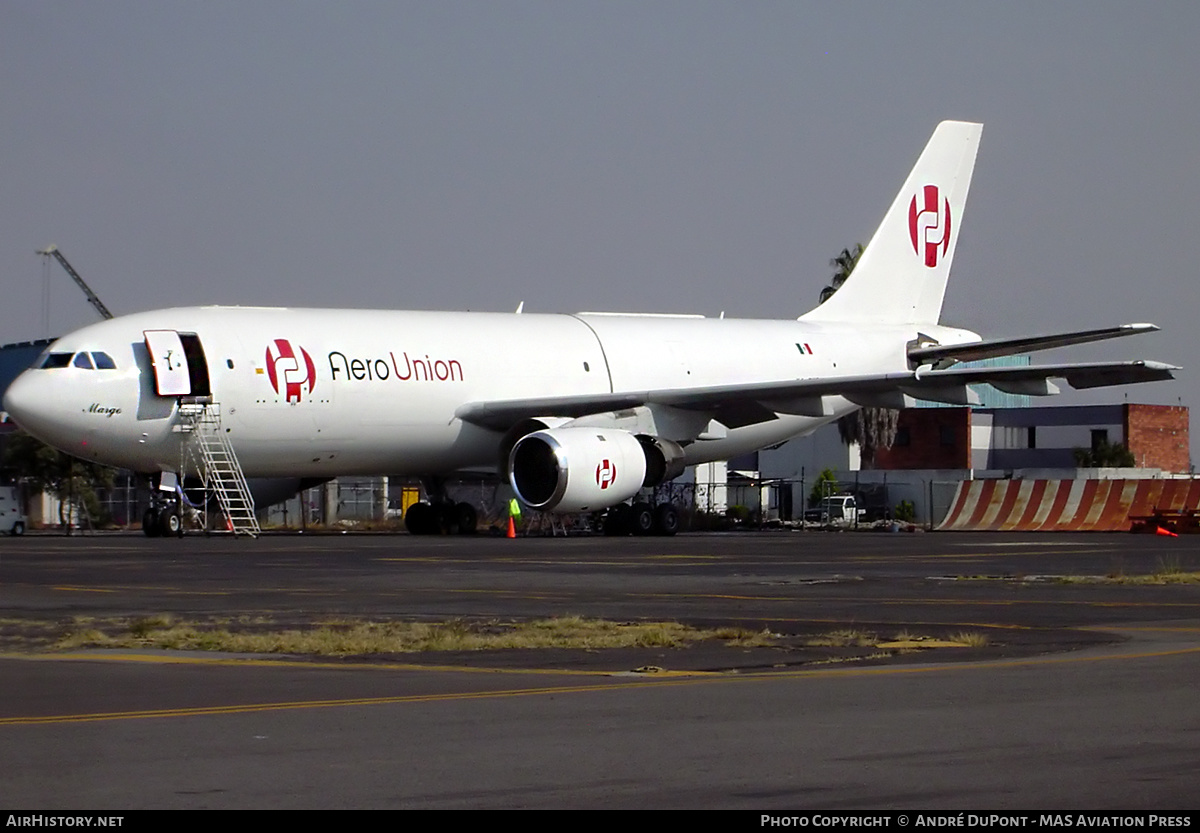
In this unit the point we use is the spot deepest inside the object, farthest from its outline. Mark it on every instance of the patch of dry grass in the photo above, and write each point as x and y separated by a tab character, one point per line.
351	638
969	639
1167	571
356	637
845	638
907	642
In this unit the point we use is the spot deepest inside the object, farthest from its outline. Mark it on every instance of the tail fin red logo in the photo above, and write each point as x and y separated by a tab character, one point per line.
290	373
929	225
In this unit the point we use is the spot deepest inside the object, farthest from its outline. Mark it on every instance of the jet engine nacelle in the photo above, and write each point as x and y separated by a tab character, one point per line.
664	459
585	469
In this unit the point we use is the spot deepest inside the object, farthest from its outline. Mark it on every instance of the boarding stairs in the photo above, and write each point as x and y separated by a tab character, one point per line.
208	451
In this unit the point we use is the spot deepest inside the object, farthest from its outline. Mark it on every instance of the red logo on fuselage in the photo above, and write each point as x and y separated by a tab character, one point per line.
606	473
929	225
290	374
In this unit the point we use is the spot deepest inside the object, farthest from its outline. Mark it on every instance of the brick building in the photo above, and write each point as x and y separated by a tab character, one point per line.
1033	438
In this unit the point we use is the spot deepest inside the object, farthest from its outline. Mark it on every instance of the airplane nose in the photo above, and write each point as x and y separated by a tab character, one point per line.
76	412
29	404
20	399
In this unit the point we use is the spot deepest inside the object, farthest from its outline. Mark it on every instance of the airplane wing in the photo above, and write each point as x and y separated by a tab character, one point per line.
991	348
739	405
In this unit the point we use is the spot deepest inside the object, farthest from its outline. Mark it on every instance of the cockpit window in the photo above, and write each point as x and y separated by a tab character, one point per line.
56	360
87	361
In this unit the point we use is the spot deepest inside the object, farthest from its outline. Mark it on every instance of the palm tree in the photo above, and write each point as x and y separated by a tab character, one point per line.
871	428
842	265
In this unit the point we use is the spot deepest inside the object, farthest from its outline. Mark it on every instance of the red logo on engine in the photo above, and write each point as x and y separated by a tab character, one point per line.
288	376
606	473
929	226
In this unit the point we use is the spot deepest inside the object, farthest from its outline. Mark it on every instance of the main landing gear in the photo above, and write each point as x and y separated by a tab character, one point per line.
441	518
441	515
641	519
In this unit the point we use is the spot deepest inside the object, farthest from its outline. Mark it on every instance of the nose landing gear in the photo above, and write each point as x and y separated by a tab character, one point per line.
163	520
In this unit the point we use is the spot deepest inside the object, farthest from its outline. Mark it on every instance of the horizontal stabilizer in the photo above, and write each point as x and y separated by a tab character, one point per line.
1084	375
992	348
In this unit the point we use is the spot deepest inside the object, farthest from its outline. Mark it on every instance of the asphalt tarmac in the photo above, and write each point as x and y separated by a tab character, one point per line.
1083	697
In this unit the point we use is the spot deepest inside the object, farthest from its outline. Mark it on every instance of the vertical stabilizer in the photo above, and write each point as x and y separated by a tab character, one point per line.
901	276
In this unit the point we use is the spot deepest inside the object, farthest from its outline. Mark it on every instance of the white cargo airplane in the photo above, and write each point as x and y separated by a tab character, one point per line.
581	412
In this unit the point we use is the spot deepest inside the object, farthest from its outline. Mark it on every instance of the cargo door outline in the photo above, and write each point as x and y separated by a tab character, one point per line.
180	368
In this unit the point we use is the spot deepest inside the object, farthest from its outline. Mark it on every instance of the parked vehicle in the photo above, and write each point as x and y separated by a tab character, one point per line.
840	509
12	517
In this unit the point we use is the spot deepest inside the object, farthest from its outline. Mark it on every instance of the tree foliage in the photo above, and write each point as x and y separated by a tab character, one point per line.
842	265
43	469
825	485
872	429
1104	455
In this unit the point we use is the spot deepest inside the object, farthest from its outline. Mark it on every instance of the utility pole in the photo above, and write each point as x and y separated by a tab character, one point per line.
52	251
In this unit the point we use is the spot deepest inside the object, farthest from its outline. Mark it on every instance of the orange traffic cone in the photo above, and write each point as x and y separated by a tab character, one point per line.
512	528
1168	533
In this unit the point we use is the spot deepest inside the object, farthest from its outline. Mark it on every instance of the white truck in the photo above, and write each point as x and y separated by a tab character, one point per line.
12	518
838	510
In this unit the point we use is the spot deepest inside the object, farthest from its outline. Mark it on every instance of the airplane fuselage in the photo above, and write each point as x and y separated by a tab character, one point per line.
322	393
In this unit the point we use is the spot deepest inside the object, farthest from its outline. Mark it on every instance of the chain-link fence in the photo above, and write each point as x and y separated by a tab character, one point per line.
879	496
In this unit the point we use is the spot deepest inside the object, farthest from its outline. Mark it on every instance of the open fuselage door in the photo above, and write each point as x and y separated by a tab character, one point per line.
180	368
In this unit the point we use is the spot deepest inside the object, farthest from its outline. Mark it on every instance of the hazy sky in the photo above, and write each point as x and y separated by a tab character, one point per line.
640	156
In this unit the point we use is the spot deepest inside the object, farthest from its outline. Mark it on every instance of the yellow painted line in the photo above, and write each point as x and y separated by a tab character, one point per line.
713	596
562	562
183	591
1023	553
688	557
539	559
264	662
309	704
520	594
432	560
924	602
908	558
1141	629
808	674
919	559
200	592
91	545
903	625
987	665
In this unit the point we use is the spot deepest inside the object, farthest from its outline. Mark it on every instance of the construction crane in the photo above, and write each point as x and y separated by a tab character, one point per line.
52	251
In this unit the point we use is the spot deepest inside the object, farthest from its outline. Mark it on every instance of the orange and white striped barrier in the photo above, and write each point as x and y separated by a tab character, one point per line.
1065	505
